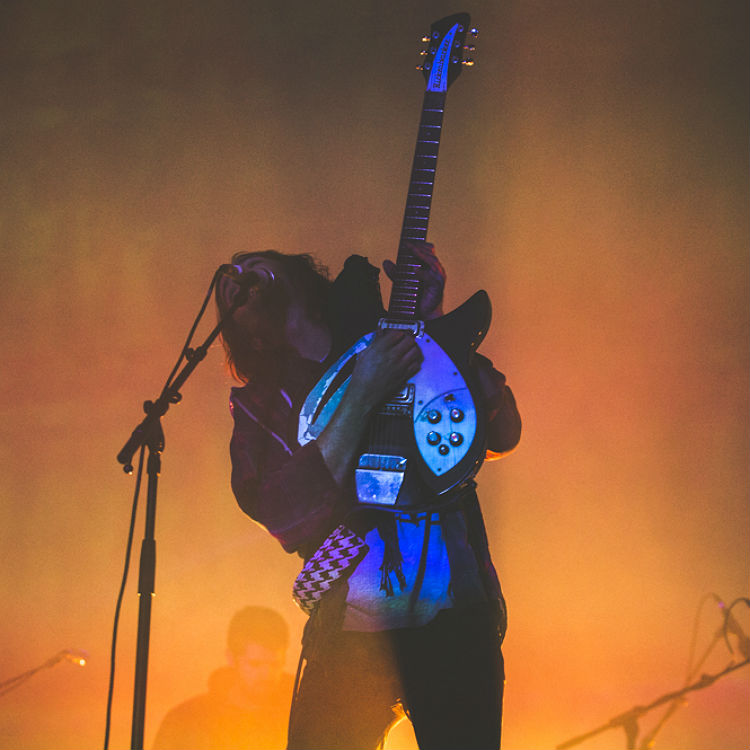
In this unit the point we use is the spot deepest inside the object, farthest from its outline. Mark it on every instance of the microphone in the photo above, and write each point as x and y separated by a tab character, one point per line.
76	655
251	281
732	626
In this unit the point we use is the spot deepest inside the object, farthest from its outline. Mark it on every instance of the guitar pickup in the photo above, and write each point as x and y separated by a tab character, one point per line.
381	462
415	327
401	403
404	396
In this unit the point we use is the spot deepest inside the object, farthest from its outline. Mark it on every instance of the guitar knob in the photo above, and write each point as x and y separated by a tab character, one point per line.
433	438
456	415
443	449
433	416
455	438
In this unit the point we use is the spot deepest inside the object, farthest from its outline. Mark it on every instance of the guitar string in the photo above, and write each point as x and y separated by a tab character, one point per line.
384	430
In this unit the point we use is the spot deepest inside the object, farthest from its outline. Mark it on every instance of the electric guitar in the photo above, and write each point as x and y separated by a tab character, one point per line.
429	438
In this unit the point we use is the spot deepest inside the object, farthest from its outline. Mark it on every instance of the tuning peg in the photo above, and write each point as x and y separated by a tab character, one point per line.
469	48
468	62
426	38
474	32
423	52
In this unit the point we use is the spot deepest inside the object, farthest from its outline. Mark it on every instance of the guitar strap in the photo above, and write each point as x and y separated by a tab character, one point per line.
336	558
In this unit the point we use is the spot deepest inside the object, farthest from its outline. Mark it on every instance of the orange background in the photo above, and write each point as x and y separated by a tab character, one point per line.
593	178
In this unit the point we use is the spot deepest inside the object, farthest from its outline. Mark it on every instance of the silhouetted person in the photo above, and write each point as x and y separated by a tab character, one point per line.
247	703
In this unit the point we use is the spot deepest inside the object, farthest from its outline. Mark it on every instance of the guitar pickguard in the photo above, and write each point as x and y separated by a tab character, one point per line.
445	415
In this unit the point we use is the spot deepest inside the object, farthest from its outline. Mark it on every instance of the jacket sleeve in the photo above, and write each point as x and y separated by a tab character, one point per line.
503	419
286	488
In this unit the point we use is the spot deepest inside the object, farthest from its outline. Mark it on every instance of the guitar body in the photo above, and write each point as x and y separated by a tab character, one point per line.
428	438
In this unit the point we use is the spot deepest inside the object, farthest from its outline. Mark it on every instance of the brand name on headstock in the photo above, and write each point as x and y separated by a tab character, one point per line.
439	73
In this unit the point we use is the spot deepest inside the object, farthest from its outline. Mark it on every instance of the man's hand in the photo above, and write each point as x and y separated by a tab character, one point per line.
391	358
431	274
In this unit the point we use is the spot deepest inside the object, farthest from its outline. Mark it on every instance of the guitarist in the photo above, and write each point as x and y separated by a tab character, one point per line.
415	625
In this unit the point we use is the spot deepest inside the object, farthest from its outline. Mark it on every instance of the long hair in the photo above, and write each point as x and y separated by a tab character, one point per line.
262	357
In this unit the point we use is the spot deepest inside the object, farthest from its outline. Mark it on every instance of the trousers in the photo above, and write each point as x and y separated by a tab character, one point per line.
447	677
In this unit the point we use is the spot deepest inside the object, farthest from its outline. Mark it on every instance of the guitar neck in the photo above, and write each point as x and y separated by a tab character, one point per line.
406	289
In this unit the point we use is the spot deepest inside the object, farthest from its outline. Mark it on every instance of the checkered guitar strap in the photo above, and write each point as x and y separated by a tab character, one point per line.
336	558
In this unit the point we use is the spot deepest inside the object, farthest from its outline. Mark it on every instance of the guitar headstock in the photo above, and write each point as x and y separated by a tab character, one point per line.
446	45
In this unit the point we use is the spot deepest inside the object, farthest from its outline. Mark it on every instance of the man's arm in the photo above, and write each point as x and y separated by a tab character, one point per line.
296	492
503	419
390	359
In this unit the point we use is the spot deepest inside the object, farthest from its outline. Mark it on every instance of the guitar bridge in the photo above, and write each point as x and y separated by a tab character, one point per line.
379	478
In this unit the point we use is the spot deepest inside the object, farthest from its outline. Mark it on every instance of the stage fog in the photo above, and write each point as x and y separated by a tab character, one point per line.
592	178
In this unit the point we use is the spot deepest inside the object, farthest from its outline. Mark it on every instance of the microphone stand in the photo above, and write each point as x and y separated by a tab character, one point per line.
14	682
149	433
629	720
648	741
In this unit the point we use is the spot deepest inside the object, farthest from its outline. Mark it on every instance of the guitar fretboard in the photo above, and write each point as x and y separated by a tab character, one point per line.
406	289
